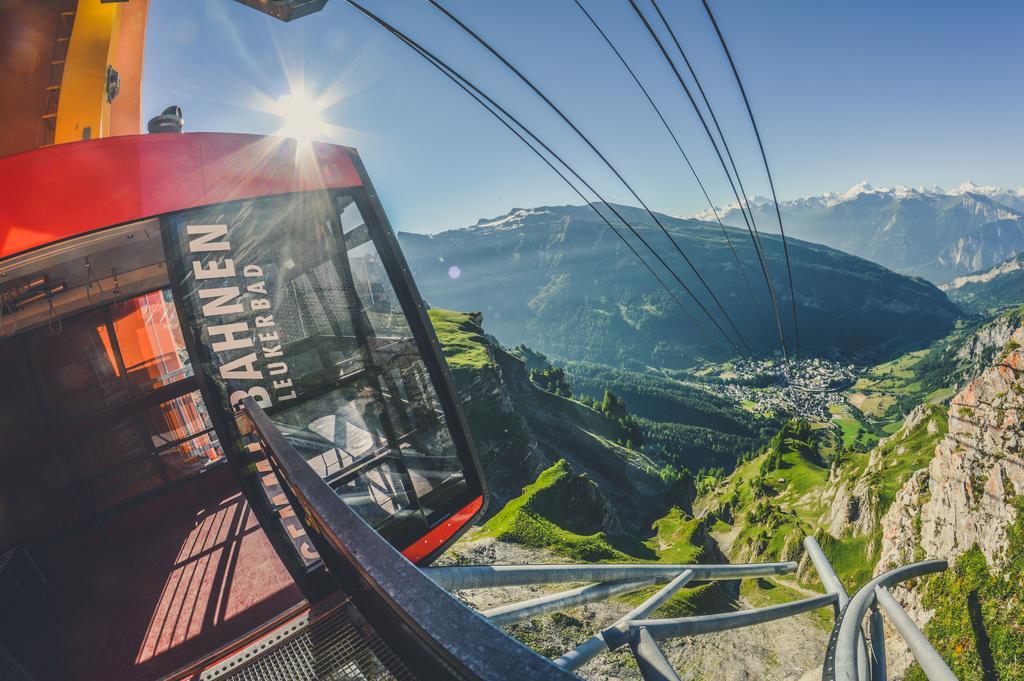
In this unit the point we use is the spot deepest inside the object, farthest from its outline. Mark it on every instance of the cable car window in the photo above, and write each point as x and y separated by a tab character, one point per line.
150	341
294	306
183	435
108	409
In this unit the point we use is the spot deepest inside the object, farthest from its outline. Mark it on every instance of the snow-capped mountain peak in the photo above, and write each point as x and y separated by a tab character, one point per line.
996	193
924	231
1013	198
856	190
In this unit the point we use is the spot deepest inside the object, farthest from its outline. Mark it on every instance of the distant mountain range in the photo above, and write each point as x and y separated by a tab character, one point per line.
994	288
926	232
557	279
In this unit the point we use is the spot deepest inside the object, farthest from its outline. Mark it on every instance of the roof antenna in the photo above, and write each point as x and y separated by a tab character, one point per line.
171	120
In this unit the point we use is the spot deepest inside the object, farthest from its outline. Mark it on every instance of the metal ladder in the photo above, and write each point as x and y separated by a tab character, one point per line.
48	121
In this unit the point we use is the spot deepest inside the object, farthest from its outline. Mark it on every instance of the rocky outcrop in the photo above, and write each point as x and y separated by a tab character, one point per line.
981	347
963	498
574	503
508	450
855	504
521	430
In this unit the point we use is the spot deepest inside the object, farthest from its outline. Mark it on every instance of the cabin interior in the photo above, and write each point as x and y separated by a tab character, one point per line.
129	548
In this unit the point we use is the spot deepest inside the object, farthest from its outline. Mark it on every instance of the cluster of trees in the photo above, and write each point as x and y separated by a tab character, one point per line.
614	408
693	447
541	371
798	437
717	473
682	425
553	380
678	480
667	400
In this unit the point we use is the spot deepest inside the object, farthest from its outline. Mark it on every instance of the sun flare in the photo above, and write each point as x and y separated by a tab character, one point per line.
301	116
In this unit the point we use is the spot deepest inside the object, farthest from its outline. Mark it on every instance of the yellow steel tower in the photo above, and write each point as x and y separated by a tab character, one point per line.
73	70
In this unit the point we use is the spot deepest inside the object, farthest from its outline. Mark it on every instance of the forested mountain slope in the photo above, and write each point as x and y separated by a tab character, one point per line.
557	279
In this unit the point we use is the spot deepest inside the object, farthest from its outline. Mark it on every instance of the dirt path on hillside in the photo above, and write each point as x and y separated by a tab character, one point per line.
727	539
789	584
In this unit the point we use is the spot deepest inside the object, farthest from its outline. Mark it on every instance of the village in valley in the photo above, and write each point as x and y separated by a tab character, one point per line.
804	389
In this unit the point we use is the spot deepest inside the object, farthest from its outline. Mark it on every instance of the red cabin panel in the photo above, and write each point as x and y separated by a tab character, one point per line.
71	189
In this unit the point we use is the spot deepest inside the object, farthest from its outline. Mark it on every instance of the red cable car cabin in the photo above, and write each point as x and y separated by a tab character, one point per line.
147	285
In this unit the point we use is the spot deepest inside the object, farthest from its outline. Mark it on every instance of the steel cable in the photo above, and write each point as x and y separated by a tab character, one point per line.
767	170
686	158
487	102
600	155
751	228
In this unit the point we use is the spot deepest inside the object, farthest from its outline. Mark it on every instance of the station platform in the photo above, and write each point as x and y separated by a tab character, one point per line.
169	581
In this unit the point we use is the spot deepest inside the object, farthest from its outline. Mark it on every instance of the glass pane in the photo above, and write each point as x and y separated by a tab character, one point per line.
191	457
182	432
79	366
176	420
336	429
379	494
382	309
150	340
313	315
294	305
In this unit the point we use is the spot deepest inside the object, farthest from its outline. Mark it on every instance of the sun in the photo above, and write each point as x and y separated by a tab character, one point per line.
301	116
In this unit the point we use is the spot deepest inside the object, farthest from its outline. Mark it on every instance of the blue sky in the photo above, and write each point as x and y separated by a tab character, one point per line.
906	93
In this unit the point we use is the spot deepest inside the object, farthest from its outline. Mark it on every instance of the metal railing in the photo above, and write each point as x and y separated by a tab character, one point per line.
434	634
634	629
842	661
848	657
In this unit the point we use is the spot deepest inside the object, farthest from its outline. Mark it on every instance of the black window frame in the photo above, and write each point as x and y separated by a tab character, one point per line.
311	576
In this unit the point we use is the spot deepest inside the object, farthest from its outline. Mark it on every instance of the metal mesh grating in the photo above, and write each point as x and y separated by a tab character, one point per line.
331	649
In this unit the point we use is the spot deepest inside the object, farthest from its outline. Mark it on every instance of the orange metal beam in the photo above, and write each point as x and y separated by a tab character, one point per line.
126	109
83	111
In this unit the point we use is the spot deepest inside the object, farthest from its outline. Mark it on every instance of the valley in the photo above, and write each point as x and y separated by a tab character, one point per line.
556	279
570	483
803	389
612	431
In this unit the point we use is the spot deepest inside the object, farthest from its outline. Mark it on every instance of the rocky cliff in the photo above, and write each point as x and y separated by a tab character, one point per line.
963	497
966	500
862	488
946	483
996	287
